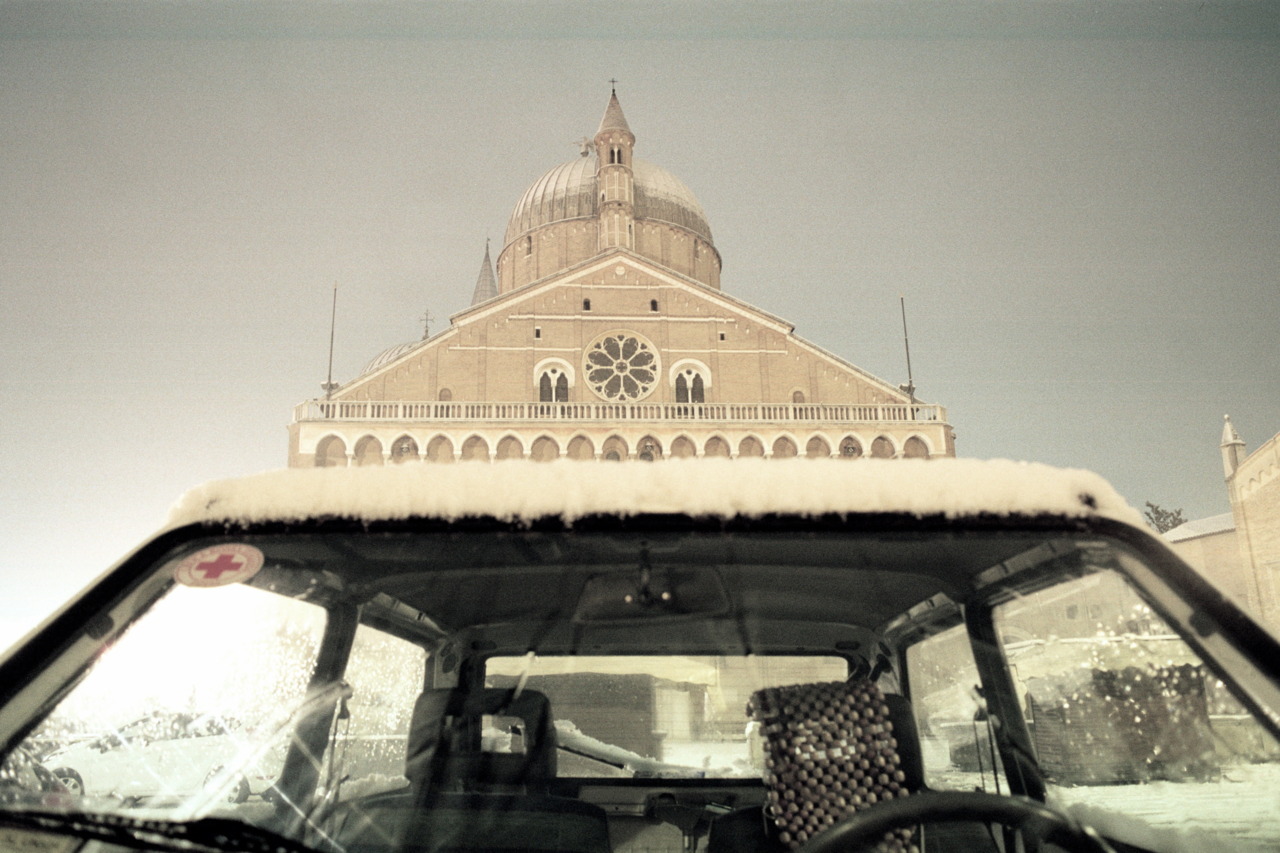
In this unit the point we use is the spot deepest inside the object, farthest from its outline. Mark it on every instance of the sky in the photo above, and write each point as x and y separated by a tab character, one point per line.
1078	203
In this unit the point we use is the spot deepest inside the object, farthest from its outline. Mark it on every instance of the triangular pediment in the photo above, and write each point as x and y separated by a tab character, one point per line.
617	289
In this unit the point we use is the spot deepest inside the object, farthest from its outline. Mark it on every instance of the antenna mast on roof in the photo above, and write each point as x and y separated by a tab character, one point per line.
329	384
910	387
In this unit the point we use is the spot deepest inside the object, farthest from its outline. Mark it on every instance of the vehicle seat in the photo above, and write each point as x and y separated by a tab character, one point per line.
830	749
479	767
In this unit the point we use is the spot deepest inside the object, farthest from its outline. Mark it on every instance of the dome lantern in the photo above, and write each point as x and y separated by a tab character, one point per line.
614	145
562	219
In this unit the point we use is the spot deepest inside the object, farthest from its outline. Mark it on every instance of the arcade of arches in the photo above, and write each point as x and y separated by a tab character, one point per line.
332	450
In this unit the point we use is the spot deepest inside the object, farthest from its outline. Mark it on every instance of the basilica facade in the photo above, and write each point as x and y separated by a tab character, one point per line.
604	335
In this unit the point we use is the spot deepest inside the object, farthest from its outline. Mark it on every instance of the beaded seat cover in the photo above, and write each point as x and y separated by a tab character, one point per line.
829	751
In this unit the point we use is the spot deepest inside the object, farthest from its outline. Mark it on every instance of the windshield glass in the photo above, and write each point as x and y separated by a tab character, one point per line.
190	711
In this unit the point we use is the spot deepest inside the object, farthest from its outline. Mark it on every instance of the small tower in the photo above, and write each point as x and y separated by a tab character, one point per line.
614	145
486	284
1232	448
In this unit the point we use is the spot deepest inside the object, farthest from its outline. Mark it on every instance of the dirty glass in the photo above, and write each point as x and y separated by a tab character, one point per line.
956	737
385	675
673	716
189	712
1133	732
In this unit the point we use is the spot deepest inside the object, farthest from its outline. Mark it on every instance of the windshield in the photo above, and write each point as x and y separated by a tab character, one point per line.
192	708
350	687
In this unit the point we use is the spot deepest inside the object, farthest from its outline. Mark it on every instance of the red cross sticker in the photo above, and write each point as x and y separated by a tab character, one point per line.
219	565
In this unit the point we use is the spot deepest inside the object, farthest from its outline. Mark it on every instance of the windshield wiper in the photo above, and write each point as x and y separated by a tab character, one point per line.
214	834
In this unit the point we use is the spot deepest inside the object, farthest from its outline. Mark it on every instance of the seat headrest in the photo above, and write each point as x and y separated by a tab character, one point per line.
489	738
830	750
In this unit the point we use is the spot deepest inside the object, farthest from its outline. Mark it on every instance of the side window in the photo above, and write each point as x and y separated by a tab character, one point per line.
1121	706
955	732
385	674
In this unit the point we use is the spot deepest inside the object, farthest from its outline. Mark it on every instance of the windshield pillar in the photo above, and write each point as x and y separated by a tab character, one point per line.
300	787
1004	711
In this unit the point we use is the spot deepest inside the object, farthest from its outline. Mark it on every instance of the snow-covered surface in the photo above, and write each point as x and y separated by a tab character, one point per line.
1239	812
1201	527
722	487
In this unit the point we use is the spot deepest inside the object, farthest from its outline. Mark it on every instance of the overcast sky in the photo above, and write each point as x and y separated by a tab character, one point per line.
1080	203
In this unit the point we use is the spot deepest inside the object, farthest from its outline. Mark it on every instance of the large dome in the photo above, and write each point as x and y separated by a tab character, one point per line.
569	192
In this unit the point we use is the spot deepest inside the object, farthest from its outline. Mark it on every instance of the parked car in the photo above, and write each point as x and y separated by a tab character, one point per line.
159	755
25	781
728	656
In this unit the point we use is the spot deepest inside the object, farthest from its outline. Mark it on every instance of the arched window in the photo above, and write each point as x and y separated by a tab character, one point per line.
475	449
750	446
544	449
440	449
405	449
510	448
445	395
581	448
683	448
648	450
690	384
817	448
331	452
797	397
882	448
784	448
716	446
368	451
528	246
553	386
614	449
915	448
689	388
850	448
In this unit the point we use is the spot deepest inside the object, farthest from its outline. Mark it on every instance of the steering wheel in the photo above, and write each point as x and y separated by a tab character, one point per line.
865	829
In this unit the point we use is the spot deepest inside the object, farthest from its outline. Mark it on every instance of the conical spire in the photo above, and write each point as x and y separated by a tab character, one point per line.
486	284
613	117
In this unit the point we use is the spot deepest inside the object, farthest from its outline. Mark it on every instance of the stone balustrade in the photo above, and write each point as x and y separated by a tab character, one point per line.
601	412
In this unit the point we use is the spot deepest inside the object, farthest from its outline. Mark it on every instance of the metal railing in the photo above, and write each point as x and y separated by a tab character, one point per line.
451	411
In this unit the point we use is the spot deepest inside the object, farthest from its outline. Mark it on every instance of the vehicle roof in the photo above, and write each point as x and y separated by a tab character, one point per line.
515	490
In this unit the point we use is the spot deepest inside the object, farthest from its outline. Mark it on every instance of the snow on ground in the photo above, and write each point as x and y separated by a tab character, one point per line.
1238	811
569	489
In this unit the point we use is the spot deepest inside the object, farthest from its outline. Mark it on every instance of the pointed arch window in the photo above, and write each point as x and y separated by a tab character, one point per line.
553	386
690	388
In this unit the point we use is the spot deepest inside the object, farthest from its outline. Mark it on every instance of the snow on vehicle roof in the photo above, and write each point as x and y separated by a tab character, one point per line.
569	489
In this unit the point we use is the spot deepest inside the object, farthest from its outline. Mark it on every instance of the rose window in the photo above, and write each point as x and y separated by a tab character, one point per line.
621	366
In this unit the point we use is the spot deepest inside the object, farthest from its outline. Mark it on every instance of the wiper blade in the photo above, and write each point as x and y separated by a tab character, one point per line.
215	834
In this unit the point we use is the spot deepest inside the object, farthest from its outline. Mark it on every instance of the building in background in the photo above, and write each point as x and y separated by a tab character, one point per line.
604	335
1240	551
